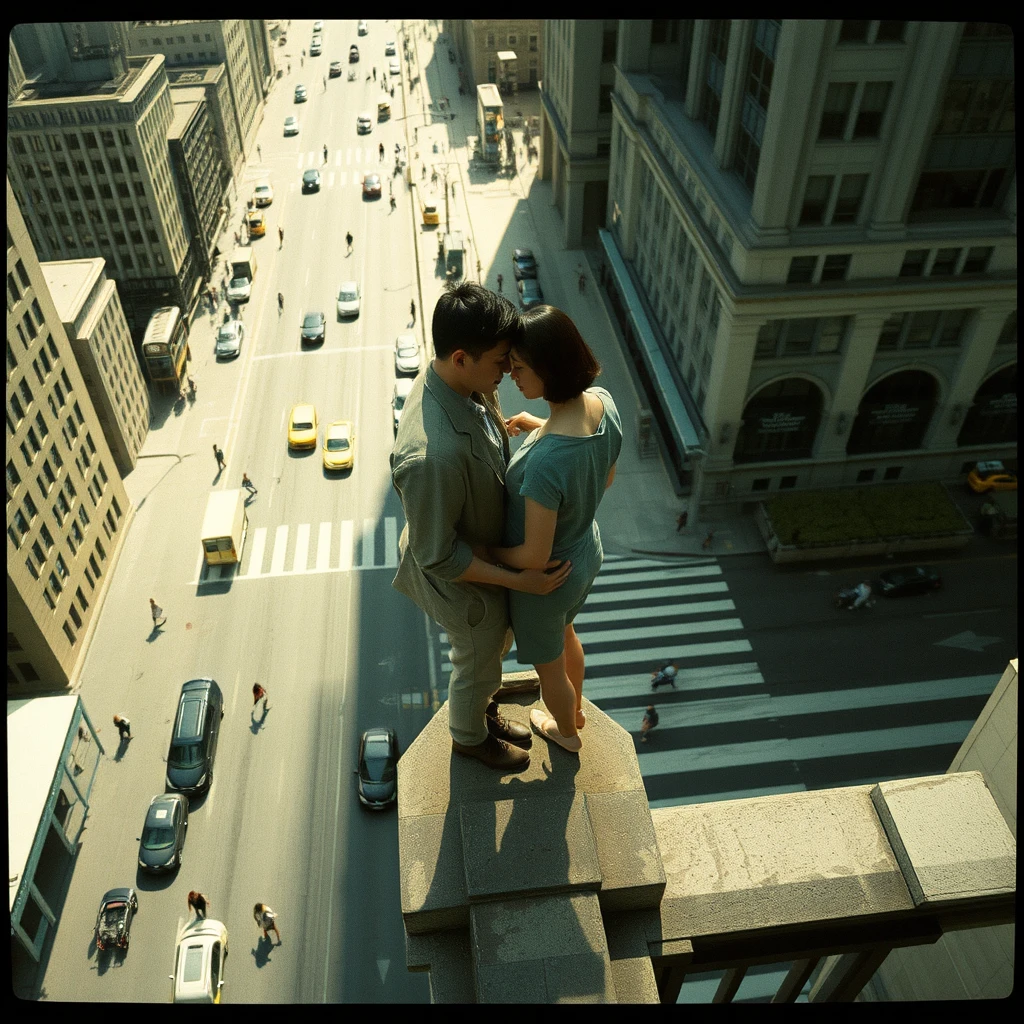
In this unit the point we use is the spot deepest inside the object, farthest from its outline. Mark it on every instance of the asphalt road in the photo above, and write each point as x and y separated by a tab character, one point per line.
335	649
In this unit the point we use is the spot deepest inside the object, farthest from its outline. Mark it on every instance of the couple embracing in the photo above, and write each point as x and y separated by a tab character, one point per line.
492	545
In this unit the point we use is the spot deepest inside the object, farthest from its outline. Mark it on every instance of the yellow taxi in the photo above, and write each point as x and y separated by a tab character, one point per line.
339	445
257	223
991	476
429	213
302	427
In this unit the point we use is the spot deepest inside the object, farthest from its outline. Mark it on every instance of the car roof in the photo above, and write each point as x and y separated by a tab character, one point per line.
523	252
301	408
314	316
411	338
124	893
340	428
379	732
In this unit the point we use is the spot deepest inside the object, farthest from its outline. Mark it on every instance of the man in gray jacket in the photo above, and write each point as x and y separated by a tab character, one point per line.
448	466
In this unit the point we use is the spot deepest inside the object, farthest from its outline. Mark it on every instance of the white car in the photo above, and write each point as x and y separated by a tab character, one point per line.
348	299
240	289
364	124
315	46
362	28
389	48
407	355
402	388
199	962
229	339
318	27
394	68
291	125
263	194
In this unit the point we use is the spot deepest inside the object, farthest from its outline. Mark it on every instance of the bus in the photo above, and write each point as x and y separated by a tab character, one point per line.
490	121
165	347
224	527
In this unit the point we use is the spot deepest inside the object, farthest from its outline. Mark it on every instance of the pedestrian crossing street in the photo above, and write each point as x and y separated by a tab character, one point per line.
346	167
347	546
725	732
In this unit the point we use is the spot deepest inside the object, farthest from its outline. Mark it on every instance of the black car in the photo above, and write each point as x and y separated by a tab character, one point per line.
194	736
311	181
335	69
114	920
378	768
314	325
163	834
911	579
524	263
530	293
353	54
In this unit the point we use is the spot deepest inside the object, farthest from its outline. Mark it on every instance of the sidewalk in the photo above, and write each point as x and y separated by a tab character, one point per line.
498	213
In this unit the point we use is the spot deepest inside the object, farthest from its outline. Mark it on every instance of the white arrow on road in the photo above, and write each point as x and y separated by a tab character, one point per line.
382	966
969	641
389	662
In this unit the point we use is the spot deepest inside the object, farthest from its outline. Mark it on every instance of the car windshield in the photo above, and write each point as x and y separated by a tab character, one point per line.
239	282
406	348
226	334
186	755
311	320
377	761
158	837
346	295
302	425
337	444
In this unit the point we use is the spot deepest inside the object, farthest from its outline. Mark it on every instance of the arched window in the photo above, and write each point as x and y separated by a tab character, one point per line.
894	414
780	422
993	415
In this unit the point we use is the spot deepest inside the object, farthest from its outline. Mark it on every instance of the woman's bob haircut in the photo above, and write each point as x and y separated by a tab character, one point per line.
553	348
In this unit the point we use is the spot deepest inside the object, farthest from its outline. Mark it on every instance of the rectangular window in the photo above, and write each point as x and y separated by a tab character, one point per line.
801	270
816	199
893	473
872	110
835	268
922	329
913	263
838	99
977	259
945	262
70	634
851	192
55	584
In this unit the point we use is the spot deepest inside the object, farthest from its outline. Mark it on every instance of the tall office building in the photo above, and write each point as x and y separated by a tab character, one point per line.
807	233
66	505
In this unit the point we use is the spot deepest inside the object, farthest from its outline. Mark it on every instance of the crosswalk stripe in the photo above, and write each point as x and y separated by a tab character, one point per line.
692	680
694	608
369	527
301	548
259	543
346	546
661	593
638	632
280	544
391	543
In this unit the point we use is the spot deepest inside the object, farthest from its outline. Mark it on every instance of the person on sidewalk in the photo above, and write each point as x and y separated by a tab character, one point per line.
157	612
258	694
500	280
249	485
708	540
664	677
259	151
124	727
325	152
681	520
412	310
649	722
267	920
280	240
553	487
456	497
218	454
348	240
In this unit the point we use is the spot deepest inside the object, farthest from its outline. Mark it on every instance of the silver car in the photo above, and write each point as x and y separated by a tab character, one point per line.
229	339
407	355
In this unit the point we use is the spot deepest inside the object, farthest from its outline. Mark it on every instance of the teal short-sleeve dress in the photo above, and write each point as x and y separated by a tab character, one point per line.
567	474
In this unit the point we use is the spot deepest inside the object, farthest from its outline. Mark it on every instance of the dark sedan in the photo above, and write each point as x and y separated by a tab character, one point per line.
524	264
163	834
335	69
378	768
911	579
530	293
314	325
311	181
371	186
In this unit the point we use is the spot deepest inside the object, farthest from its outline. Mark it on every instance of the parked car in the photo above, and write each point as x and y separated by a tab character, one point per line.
353	54
389	48
263	194
163	833
239	289
291	125
394	68
199	962
371	186
402	388
378	768
335	69
311	180
302	426
530	293
194	736
257	221
362	29
114	919
339	445
318	27
991	476
316	46
407	355
348	299
910	579
229	339
300	94
524	264
313	329
364	124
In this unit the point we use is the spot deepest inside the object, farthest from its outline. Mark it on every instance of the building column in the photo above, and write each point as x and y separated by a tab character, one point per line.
572	214
858	358
736	62
698	69
727	396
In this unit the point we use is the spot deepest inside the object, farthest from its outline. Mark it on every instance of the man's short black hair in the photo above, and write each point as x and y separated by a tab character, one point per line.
470	317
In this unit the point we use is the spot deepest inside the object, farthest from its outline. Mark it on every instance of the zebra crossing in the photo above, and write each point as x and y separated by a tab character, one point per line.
346	546
344	167
725	732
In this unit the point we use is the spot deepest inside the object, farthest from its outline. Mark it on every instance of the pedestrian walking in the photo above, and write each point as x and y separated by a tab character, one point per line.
708	540
280	236
392	92
500	279
238	239
681	520
348	240
249	485
124	727
198	902
280	303
453	190
267	920
380	150
258	694
218	454
325	152
412	310
649	722
375	73
157	613
259	151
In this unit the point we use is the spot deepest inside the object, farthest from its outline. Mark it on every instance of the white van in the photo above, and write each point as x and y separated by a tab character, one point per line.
224	527
199	962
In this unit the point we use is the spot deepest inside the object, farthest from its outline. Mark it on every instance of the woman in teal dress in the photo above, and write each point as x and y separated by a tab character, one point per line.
554	483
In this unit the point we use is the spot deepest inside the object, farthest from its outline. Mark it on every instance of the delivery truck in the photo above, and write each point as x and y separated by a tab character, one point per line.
224	527
243	262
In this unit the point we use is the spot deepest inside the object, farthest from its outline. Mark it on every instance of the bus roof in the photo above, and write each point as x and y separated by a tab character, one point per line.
489	95
161	324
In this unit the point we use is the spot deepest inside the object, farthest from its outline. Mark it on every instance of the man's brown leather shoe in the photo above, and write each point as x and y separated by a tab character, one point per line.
496	753
512	732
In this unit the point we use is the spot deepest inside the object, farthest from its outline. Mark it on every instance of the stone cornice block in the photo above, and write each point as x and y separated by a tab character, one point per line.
950	839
